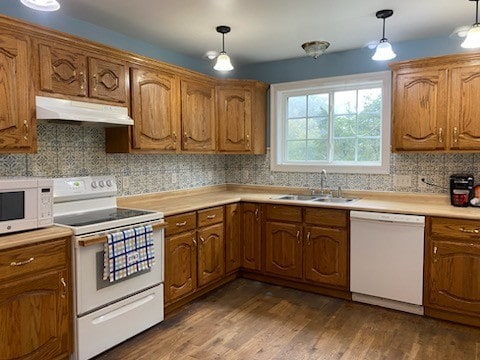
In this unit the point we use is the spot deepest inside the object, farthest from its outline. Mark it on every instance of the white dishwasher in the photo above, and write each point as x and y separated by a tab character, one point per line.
386	260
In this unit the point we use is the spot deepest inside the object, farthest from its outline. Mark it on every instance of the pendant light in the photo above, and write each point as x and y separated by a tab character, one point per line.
42	5
384	50
472	40
223	62
315	48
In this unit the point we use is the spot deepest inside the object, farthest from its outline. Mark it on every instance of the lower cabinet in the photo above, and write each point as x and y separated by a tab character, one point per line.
452	265
195	252
35	301
308	244
251	236
233	243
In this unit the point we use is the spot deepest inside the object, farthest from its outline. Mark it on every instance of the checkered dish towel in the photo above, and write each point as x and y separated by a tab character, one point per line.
127	252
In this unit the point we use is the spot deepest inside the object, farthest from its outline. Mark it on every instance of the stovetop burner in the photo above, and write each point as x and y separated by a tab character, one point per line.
98	216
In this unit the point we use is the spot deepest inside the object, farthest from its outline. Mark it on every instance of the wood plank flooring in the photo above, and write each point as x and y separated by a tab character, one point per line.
252	320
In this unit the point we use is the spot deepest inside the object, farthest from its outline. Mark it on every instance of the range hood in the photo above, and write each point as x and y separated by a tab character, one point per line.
80	111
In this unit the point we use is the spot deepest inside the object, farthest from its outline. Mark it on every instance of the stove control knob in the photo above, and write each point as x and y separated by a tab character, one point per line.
94	184
109	183
101	183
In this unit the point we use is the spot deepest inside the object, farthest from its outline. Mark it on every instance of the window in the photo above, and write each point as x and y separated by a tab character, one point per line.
340	124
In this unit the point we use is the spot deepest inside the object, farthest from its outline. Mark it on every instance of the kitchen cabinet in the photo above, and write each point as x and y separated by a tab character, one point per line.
198	115
233	243
35	301
241	117
452	260
17	109
309	244
434	104
251	236
195	252
72	71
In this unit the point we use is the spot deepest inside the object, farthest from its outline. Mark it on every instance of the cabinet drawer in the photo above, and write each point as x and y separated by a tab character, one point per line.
180	223
454	228
326	217
210	216
33	259
284	213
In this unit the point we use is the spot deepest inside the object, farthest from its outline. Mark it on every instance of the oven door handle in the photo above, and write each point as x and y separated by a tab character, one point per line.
124	309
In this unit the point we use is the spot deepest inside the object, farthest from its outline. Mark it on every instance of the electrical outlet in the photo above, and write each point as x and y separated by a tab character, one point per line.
174	178
402	181
126	182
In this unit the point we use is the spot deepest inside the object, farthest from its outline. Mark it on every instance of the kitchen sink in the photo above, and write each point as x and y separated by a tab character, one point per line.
297	197
336	200
319	198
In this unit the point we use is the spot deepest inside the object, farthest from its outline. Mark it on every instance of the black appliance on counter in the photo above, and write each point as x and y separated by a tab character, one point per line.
461	189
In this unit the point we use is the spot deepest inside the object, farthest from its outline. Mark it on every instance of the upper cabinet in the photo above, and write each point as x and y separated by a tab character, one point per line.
71	71
198	115
434	106
241	113
17	105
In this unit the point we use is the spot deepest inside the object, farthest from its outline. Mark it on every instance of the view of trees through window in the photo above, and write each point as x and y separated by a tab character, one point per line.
334	127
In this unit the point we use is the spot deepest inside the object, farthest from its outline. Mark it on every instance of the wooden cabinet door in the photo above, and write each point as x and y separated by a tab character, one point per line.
17	105
451	281
233	228
107	80
465	108
211	254
180	265
36	317
326	256
251	236
420	110
234	109
63	70
198	116
155	110
283	249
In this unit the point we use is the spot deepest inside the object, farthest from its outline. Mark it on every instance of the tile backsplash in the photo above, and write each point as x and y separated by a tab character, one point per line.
71	150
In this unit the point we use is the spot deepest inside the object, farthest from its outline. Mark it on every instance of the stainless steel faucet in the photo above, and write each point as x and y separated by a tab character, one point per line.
323	180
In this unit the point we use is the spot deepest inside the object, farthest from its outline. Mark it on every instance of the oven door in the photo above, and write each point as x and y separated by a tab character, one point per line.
92	292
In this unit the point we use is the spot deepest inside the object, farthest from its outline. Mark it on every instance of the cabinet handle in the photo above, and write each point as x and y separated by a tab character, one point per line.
185	137
455	135
435	249
298	236
83	80
194	242
20	263
95	82
308	238
174	135
256	214
440	135
26	130
202	240
62	280
469	231
210	217
183	223
248	140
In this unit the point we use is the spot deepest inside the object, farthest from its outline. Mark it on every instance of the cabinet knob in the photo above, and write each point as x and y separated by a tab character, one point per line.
455	135
440	135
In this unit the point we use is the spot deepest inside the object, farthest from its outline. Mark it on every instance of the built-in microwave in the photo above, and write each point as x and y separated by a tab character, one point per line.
25	203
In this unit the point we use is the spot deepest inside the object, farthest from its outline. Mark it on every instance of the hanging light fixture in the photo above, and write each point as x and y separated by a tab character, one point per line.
472	40
223	62
315	48
384	50
42	5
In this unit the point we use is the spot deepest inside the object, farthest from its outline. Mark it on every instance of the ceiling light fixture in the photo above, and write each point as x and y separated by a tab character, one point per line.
223	62
472	40
384	49
315	48
42	5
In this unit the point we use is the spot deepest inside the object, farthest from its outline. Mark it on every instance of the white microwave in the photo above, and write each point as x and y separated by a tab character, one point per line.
25	203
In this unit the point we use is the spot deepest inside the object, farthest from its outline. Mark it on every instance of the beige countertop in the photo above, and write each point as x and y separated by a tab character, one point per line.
175	202
33	236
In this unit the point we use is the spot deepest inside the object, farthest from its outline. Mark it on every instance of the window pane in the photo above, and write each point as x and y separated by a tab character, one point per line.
317	150
368	149
369	124
317	128
344	150
345	102
296	150
297	129
344	126
318	105
297	106
370	100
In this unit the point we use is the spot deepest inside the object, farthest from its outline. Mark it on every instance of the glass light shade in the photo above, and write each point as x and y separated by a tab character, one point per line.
384	51
315	48
472	40
223	62
42	5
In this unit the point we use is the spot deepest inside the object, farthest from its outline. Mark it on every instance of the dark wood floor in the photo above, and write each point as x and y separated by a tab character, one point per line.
251	320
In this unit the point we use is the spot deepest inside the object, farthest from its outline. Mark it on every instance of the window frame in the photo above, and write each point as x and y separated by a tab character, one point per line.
281	91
